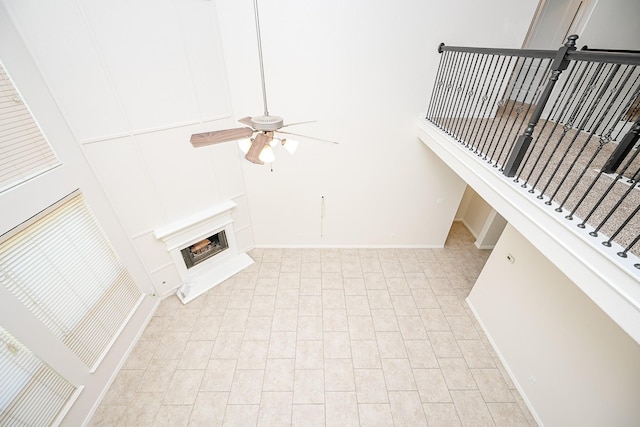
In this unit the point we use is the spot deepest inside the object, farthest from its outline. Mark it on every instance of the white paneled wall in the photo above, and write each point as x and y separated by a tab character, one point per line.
133	81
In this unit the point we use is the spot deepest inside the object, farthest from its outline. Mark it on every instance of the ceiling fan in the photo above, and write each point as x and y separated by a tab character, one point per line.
260	133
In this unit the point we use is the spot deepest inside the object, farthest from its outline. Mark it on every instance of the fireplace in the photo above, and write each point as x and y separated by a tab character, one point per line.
204	250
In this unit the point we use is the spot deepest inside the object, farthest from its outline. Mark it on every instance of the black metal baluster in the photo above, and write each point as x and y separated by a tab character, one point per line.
490	102
483	105
468	93
476	89
522	144
436	87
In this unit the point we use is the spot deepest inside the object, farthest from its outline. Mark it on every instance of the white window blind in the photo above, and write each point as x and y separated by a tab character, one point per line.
62	268
32	394
24	152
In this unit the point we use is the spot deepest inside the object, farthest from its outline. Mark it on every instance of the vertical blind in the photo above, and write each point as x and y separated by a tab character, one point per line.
32	394
24	152
63	269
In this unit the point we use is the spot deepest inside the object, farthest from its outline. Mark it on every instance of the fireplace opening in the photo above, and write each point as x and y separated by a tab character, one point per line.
204	249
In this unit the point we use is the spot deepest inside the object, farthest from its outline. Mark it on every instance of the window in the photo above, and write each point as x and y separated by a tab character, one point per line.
24	152
62	268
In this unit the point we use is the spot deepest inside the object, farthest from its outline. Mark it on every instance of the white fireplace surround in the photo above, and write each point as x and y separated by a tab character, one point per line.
213	271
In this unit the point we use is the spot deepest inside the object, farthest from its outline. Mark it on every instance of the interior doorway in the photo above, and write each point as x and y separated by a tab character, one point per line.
554	21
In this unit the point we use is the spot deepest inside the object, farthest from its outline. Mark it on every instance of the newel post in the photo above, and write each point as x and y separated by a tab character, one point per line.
560	63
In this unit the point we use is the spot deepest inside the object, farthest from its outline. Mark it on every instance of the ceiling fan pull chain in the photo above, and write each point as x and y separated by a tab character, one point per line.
264	88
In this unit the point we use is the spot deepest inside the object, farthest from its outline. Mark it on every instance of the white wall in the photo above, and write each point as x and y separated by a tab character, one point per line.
364	71
480	218
133	80
568	358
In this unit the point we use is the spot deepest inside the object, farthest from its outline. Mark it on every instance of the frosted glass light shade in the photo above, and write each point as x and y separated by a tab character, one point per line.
274	141
291	145
266	155
245	144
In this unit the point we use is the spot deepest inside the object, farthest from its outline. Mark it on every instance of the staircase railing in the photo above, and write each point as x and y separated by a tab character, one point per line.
563	123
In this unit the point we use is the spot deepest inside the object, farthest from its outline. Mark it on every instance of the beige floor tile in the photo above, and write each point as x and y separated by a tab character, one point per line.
263	305
441	286
476	354
125	385
311	285
234	320
253	355
278	375
285	320
110	415
309	328
462	327
370	265
507	414
290	265
375	280
444	344
334	319
370	386
398	374
142	409
287	298
269	269
385	320
308	386
441	414
332	280
227	345
471	409
309	355
491	385
351	269
172	345
425	298
219	375
431	385
289	281
336	345
333	298
209	409
379	299
375	415
331	266
310	305
357	305
141	355
206	328
196	355
246	387
258	328
365	354
311	270
275	408
398	286
282	345
406	409
434	320
391	345
411	328
172	416
451	305
341	409
404	305
240	298
266	286
308	416
457	374
421	354
241	415
391	269
417	281
156	378
361	328
354	286
184	387
338	375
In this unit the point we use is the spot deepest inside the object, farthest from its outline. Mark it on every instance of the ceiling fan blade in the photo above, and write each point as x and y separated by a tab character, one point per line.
256	148
306	136
218	136
246	121
299	123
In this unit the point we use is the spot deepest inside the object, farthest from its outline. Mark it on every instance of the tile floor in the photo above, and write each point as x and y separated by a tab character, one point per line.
323	337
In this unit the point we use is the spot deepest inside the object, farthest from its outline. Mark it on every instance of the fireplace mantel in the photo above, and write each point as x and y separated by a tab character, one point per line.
193	228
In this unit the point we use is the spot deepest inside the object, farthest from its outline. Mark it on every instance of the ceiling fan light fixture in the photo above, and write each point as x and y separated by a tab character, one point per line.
245	144
267	155
291	145
274	141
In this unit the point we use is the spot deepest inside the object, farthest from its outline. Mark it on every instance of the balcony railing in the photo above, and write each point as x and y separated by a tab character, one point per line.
563	124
